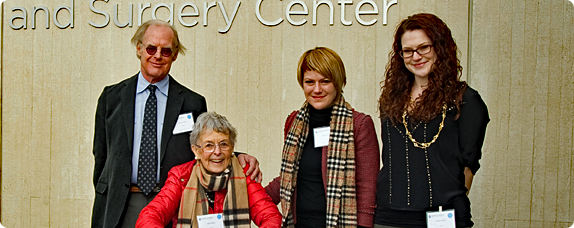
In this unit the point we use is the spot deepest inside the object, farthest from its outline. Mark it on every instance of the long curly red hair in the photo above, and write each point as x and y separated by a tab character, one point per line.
444	85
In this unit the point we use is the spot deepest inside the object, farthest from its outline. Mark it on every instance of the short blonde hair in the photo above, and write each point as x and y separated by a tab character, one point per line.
325	62
139	35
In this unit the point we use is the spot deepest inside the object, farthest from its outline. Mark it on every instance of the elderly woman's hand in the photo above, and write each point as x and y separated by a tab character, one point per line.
253	166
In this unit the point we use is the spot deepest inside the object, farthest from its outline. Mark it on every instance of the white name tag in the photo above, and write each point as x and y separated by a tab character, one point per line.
321	135
210	221
441	219
184	123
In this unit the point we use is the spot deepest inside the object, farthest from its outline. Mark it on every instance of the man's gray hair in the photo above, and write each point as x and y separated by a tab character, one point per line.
211	121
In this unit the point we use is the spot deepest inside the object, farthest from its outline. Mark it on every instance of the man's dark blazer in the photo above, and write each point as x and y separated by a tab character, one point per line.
113	144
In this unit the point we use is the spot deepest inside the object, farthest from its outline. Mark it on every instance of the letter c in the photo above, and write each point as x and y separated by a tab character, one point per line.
260	18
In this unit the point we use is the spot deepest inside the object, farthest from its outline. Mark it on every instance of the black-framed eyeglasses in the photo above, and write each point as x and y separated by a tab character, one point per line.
422	50
209	147
164	51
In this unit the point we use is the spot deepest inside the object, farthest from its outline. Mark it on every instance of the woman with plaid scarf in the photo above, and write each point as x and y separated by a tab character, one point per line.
214	183
330	153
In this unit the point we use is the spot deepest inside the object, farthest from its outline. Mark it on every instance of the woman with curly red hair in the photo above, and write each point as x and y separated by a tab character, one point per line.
433	128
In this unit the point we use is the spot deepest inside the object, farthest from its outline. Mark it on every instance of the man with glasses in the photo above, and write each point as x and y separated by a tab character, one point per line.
141	130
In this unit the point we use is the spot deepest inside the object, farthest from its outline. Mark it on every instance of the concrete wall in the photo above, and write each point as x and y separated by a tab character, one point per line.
522	63
520	60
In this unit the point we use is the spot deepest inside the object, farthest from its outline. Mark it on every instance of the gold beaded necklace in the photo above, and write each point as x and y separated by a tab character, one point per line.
427	144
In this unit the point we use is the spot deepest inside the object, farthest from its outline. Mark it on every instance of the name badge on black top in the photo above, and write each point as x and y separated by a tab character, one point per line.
321	135
441	219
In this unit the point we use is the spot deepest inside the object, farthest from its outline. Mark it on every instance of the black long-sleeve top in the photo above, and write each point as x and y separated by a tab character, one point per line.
311	199
414	180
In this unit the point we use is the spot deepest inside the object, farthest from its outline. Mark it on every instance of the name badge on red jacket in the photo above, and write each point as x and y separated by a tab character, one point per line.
210	221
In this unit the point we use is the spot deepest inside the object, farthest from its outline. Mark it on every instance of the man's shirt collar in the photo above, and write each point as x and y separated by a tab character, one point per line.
162	86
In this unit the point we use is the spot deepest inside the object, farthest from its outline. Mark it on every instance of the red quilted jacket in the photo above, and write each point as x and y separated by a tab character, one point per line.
164	207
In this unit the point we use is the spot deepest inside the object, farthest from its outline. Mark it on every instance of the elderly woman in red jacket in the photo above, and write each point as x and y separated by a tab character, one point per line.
330	153
214	183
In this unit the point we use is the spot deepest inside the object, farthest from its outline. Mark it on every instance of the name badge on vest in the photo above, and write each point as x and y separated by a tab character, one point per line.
321	135
210	221
441	219
184	123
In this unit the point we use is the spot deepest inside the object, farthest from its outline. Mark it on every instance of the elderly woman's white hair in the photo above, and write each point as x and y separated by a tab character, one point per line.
211	121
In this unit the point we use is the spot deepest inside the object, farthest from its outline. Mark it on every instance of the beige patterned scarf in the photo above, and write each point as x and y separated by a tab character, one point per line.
194	198
341	189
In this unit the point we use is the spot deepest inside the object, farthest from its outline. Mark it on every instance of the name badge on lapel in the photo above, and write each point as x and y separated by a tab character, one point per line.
184	123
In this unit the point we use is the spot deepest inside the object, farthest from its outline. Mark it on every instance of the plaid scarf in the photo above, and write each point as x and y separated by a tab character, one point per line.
194	198
341	195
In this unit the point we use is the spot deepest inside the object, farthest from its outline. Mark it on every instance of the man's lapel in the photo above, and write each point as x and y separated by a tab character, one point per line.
172	111
128	97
